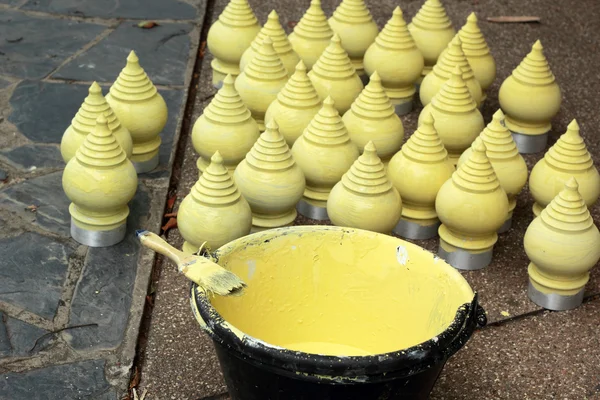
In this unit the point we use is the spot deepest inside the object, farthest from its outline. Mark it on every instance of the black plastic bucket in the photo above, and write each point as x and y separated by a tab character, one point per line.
256	370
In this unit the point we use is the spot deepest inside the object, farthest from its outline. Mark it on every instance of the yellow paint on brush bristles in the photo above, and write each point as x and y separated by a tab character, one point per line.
339	291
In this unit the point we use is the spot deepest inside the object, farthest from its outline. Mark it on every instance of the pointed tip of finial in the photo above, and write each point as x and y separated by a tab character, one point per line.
228	80
472	17
370	148
572	184
273	15
315	3
267	41
478	145
272	124
301	66
375	77
457	72
428	119
101	120
537	45
95	88
132	57
573	126
397	11
216	158
328	101
336	39
498	115
456	41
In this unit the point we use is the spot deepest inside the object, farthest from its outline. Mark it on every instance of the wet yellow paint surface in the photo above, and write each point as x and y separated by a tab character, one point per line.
337	291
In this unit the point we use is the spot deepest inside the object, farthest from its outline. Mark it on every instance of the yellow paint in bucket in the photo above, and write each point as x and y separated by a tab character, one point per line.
339	291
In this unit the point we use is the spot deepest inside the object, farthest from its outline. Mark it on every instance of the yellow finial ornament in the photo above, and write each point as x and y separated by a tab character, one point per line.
568	158
398	61
214	211
324	152
432	31
508	164
530	98
472	207
270	180
84	122
228	37
100	181
478	54
422	163
458	121
450	58
295	106
372	119
365	198
311	35
355	26
142	110
563	244
281	44
226	126
334	76
261	80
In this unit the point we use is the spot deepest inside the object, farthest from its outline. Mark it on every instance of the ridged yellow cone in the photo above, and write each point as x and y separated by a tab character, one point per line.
422	163
99	181
229	37
311	35
472	207
261	80
365	198
84	122
334	76
214	211
432	31
451	57
398	61
563	245
142	110
530	98
324	152
281	44
478	54
568	158
226	126
270	180
457	118
508	164
355	26
295	106
372	119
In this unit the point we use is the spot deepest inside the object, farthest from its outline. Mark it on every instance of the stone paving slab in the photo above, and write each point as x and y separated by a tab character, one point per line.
69	315
133	9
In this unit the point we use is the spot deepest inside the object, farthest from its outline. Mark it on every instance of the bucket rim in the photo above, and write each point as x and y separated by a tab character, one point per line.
408	361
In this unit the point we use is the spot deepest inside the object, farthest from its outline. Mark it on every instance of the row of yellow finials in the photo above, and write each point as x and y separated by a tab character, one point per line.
308	154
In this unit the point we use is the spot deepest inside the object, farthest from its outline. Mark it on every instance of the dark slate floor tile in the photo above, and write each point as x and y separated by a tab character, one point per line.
3	175
33	269
46	193
103	295
26	339
4	83
163	52
32	155
42	111
82	380
5	347
34	46
111	394
138	9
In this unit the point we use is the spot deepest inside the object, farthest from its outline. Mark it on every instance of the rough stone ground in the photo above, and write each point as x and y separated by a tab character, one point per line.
69	315
525	352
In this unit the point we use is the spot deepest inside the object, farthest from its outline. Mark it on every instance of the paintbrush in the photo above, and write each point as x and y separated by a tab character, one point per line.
204	272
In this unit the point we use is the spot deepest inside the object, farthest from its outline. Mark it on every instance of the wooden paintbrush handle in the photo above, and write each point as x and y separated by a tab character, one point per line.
153	241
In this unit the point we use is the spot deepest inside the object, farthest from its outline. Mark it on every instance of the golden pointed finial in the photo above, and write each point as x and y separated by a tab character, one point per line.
225	111
270	152
295	106
261	80
333	75
84	122
100	148
365	198
324	152
372	118
563	245
432	31
425	145
214	211
478	54
568	157
450	58
281	44
311	35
